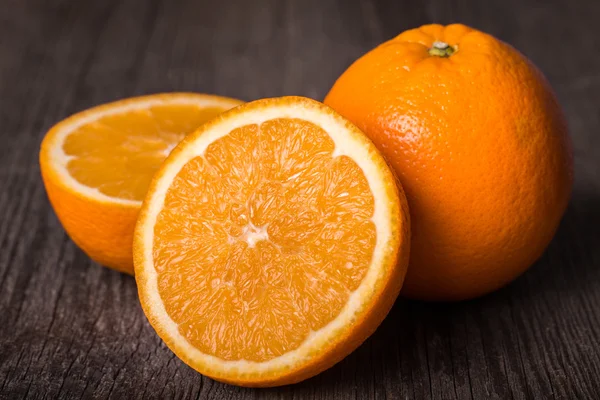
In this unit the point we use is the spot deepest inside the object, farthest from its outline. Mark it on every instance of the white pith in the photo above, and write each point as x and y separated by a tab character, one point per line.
346	143
60	160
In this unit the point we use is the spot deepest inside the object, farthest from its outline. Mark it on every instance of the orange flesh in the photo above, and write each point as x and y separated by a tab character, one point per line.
262	240
118	154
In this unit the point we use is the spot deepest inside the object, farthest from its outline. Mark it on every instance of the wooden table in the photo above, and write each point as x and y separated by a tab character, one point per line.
71	329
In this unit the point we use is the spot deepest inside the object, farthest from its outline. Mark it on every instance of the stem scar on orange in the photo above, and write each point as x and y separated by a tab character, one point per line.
480	144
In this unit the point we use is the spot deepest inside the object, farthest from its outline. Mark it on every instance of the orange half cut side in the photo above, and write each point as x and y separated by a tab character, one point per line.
271	243
97	165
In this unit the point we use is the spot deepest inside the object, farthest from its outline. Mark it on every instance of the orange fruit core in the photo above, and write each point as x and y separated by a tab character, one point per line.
262	239
118	154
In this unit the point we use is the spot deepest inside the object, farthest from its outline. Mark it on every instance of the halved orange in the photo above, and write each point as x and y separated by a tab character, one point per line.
97	165
271	243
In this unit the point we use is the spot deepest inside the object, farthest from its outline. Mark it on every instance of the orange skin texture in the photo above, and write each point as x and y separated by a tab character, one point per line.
104	231
480	145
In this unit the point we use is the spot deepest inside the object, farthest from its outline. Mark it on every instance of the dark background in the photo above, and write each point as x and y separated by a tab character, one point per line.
71	329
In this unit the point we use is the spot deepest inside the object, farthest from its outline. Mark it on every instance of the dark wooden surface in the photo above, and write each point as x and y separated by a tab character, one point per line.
70	329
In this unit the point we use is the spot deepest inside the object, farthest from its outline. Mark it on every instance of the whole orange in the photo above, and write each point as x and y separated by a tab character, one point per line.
480	144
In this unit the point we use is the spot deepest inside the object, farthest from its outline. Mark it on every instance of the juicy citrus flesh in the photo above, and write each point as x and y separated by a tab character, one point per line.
118	154
97	164
262	239
272	242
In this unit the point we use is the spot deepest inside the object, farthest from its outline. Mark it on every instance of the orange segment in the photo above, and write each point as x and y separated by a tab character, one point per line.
257	238
97	165
118	153
284	244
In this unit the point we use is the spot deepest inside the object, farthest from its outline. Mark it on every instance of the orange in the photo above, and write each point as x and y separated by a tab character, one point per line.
479	142
97	165
271	243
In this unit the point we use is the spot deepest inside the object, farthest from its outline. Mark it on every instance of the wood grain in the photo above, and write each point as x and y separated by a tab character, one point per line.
70	329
